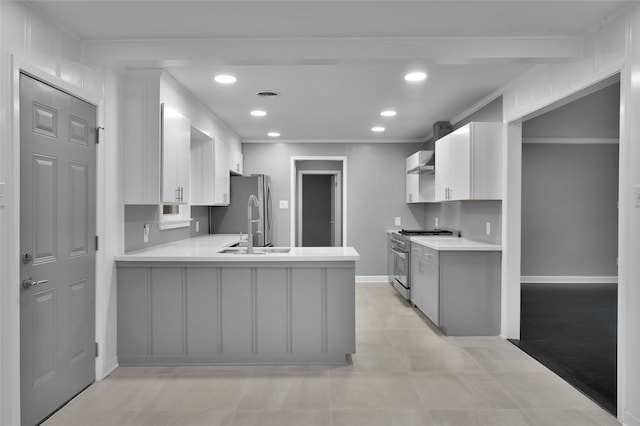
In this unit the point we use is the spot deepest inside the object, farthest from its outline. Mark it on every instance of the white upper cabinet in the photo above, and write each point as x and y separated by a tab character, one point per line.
235	159
202	168
176	155
156	140
420	183
222	176
469	163
142	146
176	151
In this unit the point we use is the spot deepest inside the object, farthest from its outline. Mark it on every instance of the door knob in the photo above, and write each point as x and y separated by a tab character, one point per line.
29	282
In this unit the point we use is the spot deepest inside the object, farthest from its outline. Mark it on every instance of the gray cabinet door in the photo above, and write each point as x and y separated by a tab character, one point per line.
431	284
307	310
417	281
470	293
203	307
133	312
167	321
272	310
341	319
237	311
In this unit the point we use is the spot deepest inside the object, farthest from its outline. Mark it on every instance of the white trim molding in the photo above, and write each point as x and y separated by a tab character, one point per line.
568	279
372	279
293	193
573	141
10	312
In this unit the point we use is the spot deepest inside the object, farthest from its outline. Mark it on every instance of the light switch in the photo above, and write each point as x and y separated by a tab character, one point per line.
197	226
284	204
1	189
488	228
436	223
398	221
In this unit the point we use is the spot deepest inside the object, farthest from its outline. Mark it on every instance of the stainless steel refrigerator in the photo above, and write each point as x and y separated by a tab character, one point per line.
232	219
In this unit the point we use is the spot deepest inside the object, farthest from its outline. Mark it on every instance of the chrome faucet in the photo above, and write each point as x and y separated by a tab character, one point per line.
252	200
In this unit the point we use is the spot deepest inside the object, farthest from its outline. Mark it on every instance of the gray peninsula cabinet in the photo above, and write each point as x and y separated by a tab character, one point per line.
235	312
457	287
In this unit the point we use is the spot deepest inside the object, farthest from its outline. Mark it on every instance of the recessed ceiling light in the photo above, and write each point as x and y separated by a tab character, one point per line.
273	134
415	76
258	113
388	113
225	79
377	129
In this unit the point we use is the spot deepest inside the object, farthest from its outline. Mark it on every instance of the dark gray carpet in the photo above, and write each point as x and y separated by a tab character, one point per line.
572	330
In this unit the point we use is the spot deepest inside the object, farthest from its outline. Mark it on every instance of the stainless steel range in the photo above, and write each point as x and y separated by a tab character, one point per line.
399	250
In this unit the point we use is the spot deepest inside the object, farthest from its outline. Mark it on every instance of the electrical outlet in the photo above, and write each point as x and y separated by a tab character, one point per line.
197	226
436	222
145	233
284	204
398	221
488	228
637	195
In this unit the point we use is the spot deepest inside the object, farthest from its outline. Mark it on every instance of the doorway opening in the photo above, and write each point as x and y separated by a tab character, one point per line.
318	194
318	205
569	290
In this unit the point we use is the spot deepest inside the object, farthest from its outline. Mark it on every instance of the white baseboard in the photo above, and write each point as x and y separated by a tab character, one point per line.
372	278
630	419
111	365
568	279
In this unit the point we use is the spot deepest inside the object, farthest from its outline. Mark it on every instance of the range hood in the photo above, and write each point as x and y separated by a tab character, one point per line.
420	163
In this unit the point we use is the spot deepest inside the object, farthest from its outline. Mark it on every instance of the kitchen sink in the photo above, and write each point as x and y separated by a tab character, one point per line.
256	250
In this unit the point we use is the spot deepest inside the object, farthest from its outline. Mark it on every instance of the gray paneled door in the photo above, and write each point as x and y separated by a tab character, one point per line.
57	243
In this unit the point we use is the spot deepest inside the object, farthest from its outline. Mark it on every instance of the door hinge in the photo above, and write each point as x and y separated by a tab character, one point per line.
97	243
98	134
97	349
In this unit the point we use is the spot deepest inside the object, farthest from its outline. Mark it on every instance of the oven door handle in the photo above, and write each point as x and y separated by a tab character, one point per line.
399	254
398	242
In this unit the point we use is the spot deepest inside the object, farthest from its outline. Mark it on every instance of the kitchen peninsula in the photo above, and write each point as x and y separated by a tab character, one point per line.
188	303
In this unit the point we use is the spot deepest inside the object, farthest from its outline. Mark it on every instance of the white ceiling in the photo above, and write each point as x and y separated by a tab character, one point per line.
335	64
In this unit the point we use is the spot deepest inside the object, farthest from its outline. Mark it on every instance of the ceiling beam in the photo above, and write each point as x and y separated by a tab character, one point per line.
303	51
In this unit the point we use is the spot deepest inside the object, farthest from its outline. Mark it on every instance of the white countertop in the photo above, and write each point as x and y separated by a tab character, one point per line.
206	247
455	244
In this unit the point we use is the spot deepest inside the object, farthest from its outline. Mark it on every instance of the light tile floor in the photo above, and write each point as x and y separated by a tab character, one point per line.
404	373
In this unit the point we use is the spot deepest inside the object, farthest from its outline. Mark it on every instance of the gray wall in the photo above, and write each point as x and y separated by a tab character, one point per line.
468	217
375	176
569	209
594	116
135	216
570	191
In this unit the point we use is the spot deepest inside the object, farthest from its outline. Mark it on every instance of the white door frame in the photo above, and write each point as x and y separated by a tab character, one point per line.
293	195
512	218
298	202
10	249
